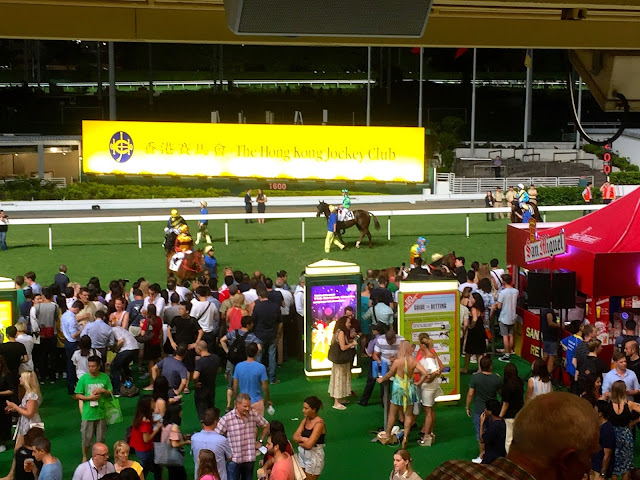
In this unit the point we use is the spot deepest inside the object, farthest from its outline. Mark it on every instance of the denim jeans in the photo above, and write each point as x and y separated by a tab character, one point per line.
3	240
120	365
269	349
148	465
240	471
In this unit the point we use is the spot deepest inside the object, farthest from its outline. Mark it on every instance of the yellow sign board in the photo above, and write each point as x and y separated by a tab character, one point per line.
262	151
6	316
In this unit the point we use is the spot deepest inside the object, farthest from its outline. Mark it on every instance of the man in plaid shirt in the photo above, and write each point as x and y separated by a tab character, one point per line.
240	426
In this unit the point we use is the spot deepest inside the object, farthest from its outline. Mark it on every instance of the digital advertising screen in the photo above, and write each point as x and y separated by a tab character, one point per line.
323	152
327	306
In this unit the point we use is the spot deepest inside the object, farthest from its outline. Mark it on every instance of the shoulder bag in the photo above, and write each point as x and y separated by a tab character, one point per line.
337	355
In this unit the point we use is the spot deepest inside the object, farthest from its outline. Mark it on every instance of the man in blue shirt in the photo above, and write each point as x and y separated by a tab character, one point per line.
331	231
71	332
251	377
203	224
211	440
620	372
210	261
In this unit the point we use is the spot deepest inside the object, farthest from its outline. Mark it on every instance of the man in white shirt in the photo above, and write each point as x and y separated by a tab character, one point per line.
127	348
97	467
206	313
471	275
101	335
251	295
507	302
496	274
155	298
287	319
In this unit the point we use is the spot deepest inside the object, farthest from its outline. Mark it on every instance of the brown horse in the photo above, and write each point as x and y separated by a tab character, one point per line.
361	219
444	267
190	267
518	219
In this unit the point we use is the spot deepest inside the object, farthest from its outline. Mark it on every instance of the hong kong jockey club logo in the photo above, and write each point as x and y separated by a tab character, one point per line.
121	147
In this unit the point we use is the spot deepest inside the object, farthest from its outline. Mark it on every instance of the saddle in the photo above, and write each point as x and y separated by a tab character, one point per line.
345	215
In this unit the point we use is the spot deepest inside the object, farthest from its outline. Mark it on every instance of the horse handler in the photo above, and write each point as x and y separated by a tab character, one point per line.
331	231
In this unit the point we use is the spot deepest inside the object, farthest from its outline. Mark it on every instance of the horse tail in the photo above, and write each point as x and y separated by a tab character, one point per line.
375	221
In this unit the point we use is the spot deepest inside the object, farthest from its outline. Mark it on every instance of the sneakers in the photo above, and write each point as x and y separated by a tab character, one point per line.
339	407
116	395
275	382
478	459
473	359
505	358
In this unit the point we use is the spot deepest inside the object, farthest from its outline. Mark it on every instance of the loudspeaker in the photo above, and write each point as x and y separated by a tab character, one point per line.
343	18
539	288
563	289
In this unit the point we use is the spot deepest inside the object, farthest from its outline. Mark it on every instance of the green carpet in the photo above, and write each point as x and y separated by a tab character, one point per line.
349	452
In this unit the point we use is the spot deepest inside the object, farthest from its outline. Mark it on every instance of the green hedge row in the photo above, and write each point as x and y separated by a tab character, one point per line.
565	195
625	178
32	189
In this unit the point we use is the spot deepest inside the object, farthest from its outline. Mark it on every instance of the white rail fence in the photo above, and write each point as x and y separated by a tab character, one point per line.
138	220
482	184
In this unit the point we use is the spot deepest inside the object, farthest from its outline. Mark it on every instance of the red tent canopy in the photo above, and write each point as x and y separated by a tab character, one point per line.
602	247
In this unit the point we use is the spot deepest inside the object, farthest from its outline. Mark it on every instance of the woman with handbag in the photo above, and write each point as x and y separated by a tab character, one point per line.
341	355
28	410
169	451
430	388
121	459
143	430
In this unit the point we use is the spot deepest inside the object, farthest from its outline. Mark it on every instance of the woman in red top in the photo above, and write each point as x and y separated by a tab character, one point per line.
142	432
152	348
236	312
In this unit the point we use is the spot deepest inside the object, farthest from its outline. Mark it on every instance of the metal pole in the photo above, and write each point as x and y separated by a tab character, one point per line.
473	105
139	235
467	225
420	88
99	63
303	230
527	103
578	138
368	86
544	217
226	232
150	52
41	161
112	82
50	239
389	227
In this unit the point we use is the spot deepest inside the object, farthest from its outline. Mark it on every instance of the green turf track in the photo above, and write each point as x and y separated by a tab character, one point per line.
110	251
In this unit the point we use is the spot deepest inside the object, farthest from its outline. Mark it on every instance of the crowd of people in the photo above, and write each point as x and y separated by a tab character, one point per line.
181	336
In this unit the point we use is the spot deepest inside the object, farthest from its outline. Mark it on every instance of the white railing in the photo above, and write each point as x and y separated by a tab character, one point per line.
302	216
482	184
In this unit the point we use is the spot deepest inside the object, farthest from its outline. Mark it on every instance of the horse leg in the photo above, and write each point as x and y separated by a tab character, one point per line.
360	239
368	233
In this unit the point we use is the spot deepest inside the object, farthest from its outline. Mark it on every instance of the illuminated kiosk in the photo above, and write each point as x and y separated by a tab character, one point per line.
8	303
433	307
330	286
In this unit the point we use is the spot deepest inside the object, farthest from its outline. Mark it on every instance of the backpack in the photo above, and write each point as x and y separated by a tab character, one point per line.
237	352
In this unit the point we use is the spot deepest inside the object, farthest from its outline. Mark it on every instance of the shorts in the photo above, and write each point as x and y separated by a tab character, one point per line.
312	460
228	374
505	329
89	428
152	352
429	393
550	348
258	407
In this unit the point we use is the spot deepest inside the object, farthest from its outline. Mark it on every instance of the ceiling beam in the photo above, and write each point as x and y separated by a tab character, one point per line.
610	24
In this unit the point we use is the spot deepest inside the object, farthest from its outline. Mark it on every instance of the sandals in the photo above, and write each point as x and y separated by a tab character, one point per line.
339	407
